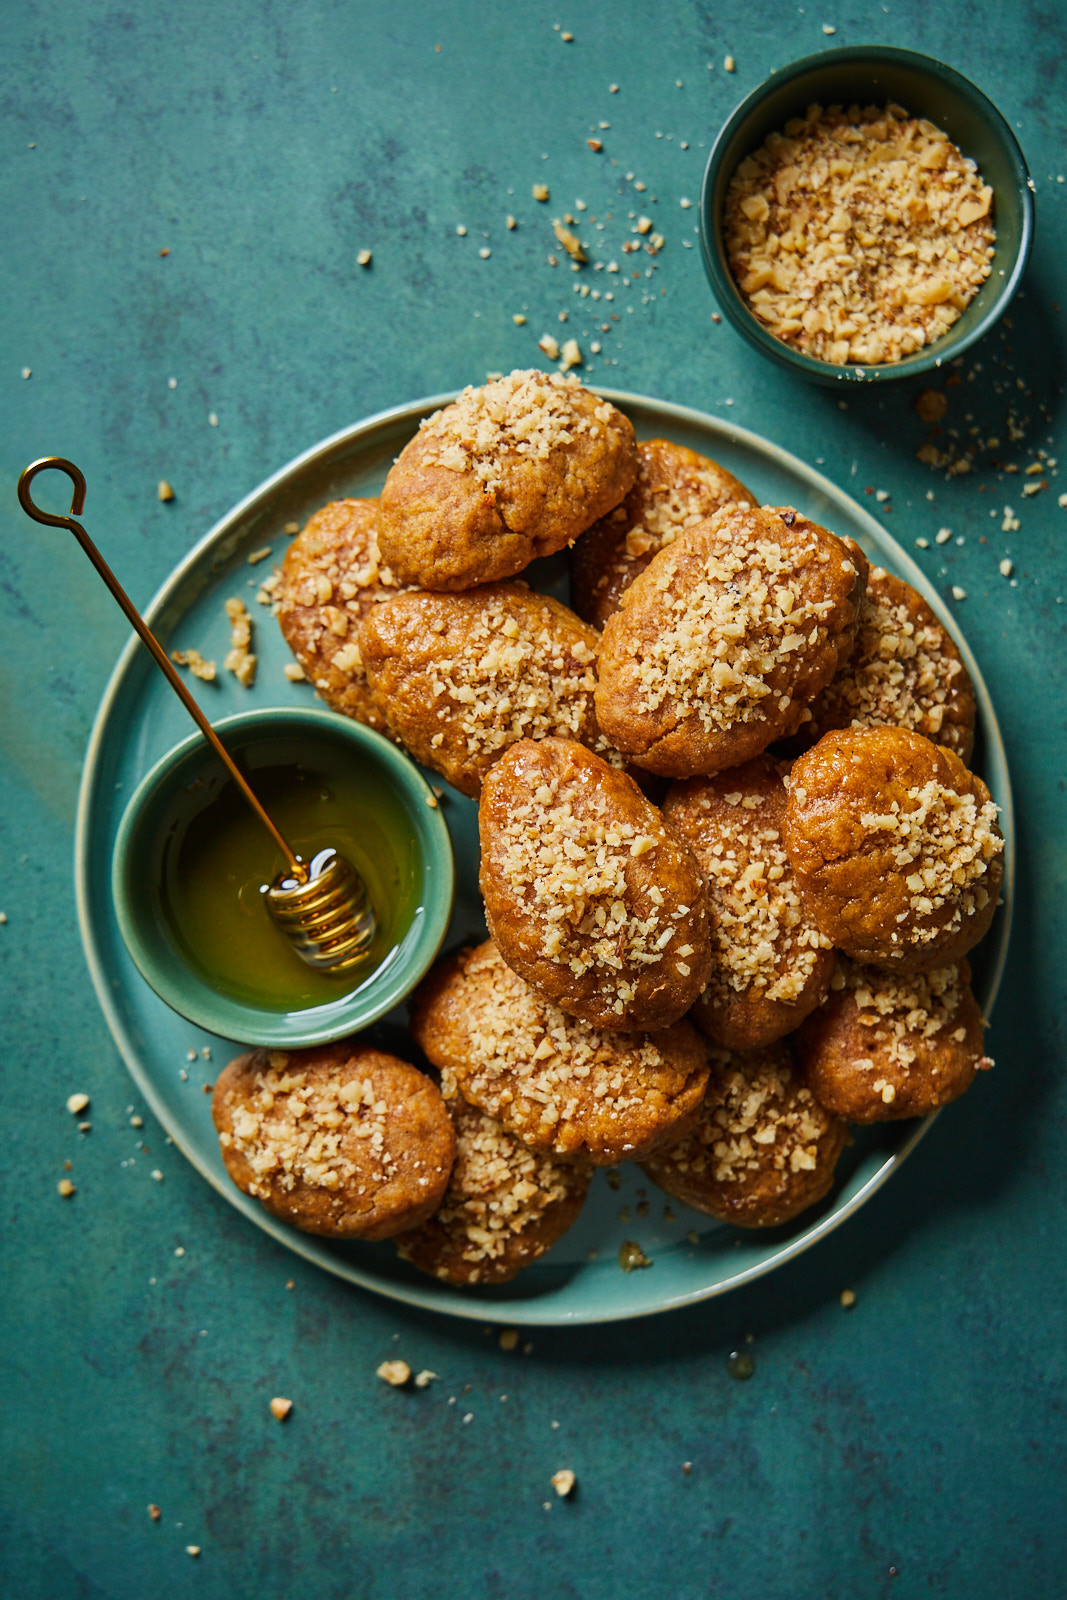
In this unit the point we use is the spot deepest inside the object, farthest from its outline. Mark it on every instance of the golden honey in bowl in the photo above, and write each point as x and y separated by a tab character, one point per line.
218	861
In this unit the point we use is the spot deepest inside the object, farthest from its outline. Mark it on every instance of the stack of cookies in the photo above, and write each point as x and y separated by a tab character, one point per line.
731	857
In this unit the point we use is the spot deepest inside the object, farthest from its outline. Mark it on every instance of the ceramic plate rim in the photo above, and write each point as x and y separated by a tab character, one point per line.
432	1295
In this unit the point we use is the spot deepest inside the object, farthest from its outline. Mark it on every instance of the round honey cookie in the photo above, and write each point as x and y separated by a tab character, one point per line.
505	1205
509	471
888	1045
762	1148
895	846
340	1139
460	677
674	489
331	577
904	672
770	963
720	643
588	896
557	1083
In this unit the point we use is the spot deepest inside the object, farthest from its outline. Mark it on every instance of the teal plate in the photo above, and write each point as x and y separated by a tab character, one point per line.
139	719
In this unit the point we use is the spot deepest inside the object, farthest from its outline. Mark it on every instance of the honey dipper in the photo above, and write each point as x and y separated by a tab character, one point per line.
322	908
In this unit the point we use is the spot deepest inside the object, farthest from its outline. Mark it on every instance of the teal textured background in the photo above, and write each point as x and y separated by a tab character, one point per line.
912	1446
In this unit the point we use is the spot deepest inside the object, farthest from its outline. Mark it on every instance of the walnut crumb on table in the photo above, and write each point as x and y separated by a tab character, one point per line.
396	1373
280	1408
563	1482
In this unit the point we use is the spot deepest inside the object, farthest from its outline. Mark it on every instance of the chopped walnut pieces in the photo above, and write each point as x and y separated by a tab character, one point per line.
570	242
164	491
77	1103
154	1512
239	658
396	1373
280	1408
196	664
66	1188
540	191
858	235
563	1482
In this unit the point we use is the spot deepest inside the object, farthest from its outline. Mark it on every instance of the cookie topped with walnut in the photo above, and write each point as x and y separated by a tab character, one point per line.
332	575
588	896
340	1139
895	846
770	963
559	1084
904	672
761	1150
505	1205
512	470
720	643
461	677
674	489
886	1045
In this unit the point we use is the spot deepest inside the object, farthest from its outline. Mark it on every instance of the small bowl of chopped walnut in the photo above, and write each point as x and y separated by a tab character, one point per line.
866	214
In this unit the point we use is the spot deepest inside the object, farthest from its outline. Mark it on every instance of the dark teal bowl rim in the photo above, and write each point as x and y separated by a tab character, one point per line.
185	991
731	146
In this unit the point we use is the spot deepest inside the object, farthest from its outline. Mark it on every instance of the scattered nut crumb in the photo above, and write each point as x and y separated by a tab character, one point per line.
563	1482
396	1373
239	658
549	346
1006	570
848	1298
485	252
280	1408
540	191
595	144
424	1378
568	38
136	1122
192	1550
192	659
259	555
518	319
364	258
631	1256
154	1512
27	372
570	355
165	491
827	28
212	419
509	221
508	1339
958	593
730	64
77	1103
291	528
66	1188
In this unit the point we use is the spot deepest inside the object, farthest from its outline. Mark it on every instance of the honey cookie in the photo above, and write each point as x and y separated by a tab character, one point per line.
460	677
509	471
332	575
888	1045
674	489
720	643
557	1083
587	895
895	846
341	1139
770	963
504	1207
762	1149
904	672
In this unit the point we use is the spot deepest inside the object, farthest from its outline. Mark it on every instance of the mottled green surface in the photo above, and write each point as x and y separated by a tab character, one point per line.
264	146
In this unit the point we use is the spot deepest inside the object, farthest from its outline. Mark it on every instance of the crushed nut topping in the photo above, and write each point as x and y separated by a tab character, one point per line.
898	1013
860	235
239	659
755	1115
526	413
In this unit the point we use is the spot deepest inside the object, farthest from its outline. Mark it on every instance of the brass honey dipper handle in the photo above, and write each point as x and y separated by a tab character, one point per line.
297	868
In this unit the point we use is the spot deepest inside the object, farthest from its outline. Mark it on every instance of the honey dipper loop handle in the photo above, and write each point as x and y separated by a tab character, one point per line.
144	633
77	499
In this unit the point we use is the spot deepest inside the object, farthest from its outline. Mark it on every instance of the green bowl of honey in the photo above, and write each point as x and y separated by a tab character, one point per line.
192	862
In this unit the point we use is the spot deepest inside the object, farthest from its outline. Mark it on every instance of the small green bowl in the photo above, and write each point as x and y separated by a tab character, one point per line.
876	75
145	873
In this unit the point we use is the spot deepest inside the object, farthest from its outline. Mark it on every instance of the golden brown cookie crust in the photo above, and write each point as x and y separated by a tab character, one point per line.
587	894
504	1207
762	1149
905	672
723	639
460	677
558	1083
887	1045
770	963
331	577
340	1140
509	471
895	846
674	489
